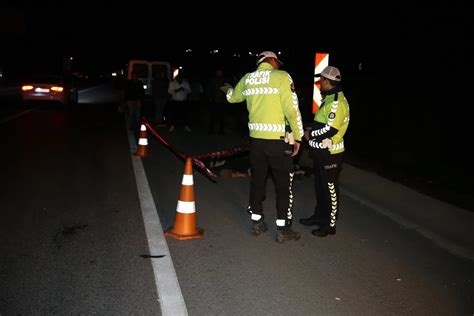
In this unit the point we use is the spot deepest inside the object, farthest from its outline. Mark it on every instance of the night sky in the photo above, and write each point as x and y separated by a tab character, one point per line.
423	40
101	35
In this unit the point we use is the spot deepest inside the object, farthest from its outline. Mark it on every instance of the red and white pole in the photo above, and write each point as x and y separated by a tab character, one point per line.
321	62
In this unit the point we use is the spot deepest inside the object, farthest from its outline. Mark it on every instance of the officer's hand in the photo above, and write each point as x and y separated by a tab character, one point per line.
225	87
327	143
296	148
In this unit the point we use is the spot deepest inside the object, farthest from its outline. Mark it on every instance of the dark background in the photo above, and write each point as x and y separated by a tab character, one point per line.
409	101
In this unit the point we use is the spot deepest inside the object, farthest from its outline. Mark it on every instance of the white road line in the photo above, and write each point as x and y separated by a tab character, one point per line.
169	292
438	240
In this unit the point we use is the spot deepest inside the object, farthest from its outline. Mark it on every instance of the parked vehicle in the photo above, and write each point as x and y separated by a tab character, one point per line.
55	88
147	70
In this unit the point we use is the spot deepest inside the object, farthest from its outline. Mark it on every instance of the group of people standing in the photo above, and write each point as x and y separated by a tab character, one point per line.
276	131
169	97
179	100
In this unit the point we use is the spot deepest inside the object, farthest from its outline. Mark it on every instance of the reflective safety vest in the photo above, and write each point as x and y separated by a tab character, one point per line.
335	113
271	102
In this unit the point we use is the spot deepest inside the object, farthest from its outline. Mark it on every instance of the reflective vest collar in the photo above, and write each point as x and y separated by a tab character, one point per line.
265	66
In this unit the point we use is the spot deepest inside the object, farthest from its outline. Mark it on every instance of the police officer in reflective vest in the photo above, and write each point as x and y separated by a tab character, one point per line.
276	129
326	139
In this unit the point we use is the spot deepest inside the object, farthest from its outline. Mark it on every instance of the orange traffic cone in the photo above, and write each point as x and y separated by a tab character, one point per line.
185	221
142	149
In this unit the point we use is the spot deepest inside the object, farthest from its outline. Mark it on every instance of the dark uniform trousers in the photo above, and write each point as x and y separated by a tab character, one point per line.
268	157
327	169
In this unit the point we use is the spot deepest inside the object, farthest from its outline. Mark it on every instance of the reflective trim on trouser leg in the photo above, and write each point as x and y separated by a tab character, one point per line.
249	210
281	223
289	212
254	217
333	202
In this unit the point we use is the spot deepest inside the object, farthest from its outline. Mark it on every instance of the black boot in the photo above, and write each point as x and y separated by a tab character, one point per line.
324	231
258	228
287	234
310	221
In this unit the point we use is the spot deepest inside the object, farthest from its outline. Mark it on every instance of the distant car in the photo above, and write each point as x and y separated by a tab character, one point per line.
49	88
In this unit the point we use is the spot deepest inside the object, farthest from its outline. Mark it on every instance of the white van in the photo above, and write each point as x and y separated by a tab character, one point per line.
147	70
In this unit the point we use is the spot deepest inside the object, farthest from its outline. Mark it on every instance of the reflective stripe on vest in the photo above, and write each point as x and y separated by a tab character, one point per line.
266	90
265	127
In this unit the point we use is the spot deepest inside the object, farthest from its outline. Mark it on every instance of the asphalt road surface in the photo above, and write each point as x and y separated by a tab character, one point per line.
82	220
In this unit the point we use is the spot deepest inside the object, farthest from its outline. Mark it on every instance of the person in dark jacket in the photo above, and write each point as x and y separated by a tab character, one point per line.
217	102
134	93
159	90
